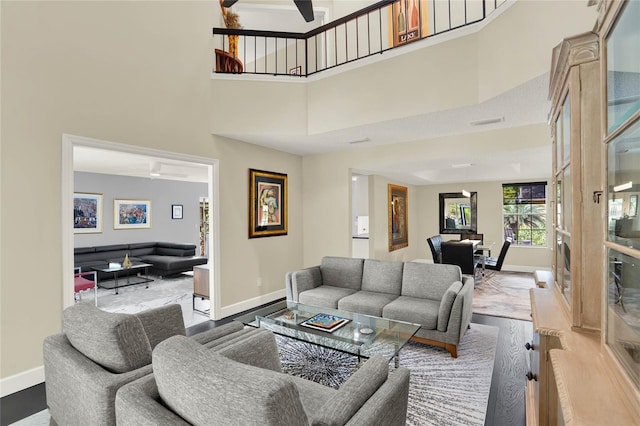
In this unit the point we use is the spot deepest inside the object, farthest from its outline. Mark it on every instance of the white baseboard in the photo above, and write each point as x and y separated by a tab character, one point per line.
21	381
520	268
245	305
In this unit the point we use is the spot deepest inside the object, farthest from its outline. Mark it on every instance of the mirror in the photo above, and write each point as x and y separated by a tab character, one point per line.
458	213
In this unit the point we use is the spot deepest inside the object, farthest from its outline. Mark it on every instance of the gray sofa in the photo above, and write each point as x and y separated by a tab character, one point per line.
436	296
243	385
166	258
99	351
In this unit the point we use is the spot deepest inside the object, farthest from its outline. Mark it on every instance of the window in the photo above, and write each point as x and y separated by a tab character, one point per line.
524	212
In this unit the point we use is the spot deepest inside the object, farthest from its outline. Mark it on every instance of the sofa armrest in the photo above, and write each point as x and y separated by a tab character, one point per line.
446	305
217	333
462	309
161	323
257	348
139	404
304	279
354	393
388	406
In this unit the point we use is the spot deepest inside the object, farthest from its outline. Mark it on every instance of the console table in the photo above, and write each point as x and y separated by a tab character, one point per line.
200	286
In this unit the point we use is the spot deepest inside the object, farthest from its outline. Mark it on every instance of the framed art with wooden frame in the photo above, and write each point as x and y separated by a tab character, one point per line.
268	203
398	217
131	214
87	213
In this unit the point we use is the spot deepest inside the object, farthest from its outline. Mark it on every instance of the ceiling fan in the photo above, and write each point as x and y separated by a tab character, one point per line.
304	6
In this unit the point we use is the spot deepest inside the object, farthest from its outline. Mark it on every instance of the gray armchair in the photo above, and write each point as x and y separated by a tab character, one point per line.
242	384
99	351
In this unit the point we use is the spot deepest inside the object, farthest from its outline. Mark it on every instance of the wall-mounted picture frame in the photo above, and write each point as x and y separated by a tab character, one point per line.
409	21
398	217
633	205
87	213
268	204
296	71
131	214
176	211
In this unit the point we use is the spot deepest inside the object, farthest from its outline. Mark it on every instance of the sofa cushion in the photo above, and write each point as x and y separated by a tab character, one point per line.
112	247
428	281
168	251
325	295
382	276
135	246
415	310
342	272
82	250
117	342
446	304
229	392
366	302
168	263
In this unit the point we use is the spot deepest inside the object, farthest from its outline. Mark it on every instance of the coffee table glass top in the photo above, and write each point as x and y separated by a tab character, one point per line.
357	334
120	268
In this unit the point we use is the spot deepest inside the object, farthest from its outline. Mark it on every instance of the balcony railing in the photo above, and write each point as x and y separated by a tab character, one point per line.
383	26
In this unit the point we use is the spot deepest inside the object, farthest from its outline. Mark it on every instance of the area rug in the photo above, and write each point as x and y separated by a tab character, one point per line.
504	294
442	391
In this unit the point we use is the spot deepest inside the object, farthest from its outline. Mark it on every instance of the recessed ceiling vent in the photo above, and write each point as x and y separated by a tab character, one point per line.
357	141
487	121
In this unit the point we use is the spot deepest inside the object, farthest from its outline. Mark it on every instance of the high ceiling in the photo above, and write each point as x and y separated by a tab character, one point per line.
524	105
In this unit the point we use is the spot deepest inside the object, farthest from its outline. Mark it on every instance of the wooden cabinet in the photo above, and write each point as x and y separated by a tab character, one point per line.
586	350
575	128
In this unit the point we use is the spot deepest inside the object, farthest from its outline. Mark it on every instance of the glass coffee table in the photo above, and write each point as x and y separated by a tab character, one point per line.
139	277
361	335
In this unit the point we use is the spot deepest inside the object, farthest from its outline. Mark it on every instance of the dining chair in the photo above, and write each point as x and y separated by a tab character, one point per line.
461	254
494	264
435	244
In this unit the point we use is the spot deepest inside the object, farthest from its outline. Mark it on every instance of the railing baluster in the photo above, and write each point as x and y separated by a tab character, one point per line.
322	34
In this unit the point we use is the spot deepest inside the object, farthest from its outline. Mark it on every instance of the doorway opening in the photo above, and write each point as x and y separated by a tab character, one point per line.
208	166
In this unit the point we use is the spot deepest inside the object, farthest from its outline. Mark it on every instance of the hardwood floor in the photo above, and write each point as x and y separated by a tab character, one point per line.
506	399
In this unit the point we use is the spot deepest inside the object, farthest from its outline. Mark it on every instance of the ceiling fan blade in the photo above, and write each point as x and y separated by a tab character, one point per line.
306	9
228	3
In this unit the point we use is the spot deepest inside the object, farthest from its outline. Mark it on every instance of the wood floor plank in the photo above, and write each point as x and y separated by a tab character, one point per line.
506	399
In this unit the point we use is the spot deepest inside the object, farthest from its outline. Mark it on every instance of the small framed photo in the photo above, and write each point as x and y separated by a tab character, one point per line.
267	204
87	213
296	71
131	214
176	211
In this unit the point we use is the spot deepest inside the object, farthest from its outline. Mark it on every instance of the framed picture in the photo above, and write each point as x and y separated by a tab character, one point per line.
398	217
267	204
87	213
633	205
408	21
131	214
176	211
296	71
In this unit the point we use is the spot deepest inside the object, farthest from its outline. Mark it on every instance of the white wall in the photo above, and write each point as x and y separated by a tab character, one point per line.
135	73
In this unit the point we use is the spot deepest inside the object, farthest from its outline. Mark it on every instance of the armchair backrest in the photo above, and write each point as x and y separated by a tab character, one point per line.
227	391
117	342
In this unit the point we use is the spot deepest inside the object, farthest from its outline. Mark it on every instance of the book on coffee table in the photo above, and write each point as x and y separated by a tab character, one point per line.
325	322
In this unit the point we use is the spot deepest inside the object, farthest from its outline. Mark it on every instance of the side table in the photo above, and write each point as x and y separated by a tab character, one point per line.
200	286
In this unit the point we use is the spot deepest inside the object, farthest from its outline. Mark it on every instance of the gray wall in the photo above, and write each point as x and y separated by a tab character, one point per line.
162	194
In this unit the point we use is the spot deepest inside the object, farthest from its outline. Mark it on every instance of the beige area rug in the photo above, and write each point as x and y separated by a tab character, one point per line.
504	294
